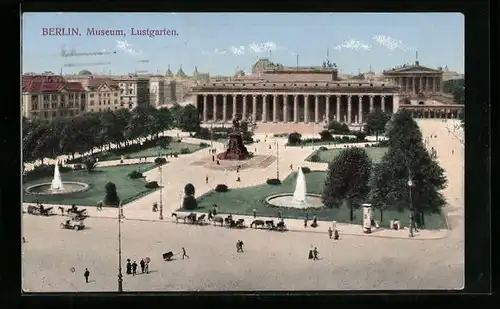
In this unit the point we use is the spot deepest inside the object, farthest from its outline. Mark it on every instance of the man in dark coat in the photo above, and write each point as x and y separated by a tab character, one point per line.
184	253
129	267
143	264
86	274
134	268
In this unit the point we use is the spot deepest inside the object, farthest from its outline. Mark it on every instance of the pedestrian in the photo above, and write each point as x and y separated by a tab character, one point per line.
310	256
184	253
315	221
143	265
291	167
452	151
279	214
241	245
213	158
86	274
238	246
210	215
330	232
315	254
214	210
206	179
129	267
254	213
146	266
24	240
134	268
305	222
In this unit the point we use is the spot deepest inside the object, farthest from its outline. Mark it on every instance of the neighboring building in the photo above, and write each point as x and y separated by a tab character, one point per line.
103	94
157	91
450	75
274	93
134	91
50	96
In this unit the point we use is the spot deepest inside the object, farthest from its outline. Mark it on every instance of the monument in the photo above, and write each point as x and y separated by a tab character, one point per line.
236	149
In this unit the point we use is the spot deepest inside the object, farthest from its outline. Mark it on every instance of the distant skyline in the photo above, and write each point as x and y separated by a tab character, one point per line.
223	43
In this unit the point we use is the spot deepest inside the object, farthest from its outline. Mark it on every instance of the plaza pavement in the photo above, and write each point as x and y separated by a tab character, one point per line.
368	262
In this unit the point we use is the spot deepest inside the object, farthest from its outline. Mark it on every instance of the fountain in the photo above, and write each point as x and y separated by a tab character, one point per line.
57	186
299	198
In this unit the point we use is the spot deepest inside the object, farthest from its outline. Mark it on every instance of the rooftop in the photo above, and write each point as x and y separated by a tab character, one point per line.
49	84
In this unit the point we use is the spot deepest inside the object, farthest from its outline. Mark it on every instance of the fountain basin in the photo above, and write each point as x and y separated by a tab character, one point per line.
287	200
68	187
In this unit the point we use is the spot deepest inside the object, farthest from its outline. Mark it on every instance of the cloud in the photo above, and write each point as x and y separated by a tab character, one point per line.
238	51
216	51
353	44
263	47
391	43
127	48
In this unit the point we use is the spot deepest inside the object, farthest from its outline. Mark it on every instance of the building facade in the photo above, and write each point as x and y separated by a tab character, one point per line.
103	94
157	91
280	94
134	91
51	96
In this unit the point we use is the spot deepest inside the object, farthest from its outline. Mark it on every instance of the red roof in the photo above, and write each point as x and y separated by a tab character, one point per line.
49	84
95	83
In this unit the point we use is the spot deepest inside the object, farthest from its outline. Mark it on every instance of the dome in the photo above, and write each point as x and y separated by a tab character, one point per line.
85	72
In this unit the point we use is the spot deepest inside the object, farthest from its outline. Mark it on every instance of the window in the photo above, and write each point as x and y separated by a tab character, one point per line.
53	105
71	113
91	95
109	102
91	102
100	95
45	105
34	106
121	91
61	113
82	108
54	114
116	101
100	102
34	98
46	114
99	109
305	85
76	112
130	91
116	107
316	85
82	96
348	85
46	98
116	94
371	85
383	85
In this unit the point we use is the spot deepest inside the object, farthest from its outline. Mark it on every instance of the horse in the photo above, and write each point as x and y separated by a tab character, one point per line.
33	210
257	223
281	225
270	224
201	219
191	217
218	219
179	217
62	209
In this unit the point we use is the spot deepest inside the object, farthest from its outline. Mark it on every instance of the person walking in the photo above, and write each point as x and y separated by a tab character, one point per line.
206	179
184	253
330	232
86	274
214	210
241	245
134	268
254	213
238	246
146	266
143	265
315	254
291	167
129	267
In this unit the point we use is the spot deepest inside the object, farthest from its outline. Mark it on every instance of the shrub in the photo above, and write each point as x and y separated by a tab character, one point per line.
164	142
384	143
135	175
189	203
305	169
338	128
345	138
185	150
126	157
111	198
367	145
77	167
90	164
175	154
360	136
203	144
325	135
221	188
160	161
189	189
294	138
273	181
323	148
315	158
152	185
203	133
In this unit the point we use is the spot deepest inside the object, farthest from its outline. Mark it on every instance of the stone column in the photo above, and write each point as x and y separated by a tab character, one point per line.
433	85
254	107
438	84
395	103
285	108
421	83
360	109
205	109
349	109
224	107
316	108
327	107
234	106
264	108
244	116
382	104
215	109
413	84
306	108
371	103
275	108
337	101
295	108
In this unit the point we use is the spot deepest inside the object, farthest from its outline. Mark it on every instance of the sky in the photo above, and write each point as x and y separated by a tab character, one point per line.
223	43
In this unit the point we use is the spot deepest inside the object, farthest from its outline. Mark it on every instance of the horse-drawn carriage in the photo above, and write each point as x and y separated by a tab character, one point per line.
39	210
191	218
269	224
72	225
74	213
231	223
168	256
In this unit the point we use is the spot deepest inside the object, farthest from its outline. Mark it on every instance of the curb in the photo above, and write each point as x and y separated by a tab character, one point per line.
294	230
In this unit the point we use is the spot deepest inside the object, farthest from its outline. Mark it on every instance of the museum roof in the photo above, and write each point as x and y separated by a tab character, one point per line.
414	68
49	84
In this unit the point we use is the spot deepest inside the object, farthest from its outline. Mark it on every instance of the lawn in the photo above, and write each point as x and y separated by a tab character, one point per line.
173	147
243	201
128	189
326	156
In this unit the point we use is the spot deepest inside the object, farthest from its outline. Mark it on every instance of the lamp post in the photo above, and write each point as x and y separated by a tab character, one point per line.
412	216
120	276
314	129
161	193
277	161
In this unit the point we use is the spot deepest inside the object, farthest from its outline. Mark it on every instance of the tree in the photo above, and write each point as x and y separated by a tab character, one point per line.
189	189
90	164
347	179
338	128
165	119
456	87
325	135
176	111
376	122
294	138
246	134
111	198
407	158
189	120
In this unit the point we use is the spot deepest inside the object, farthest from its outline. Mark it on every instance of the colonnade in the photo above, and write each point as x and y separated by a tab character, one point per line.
293	107
415	84
437	113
